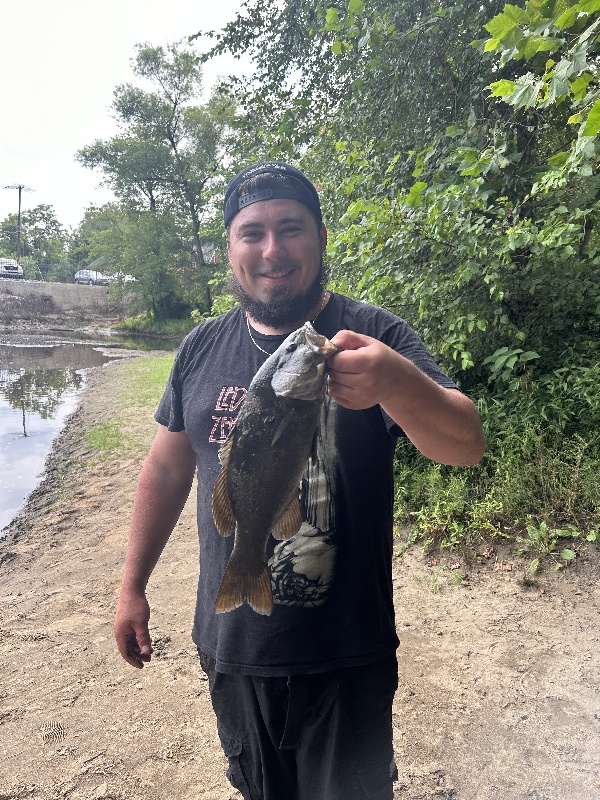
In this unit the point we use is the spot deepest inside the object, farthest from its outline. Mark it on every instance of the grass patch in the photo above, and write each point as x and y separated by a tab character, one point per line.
108	439
142	381
146	378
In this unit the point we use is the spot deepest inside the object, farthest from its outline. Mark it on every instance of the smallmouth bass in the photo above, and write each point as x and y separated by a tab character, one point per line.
257	492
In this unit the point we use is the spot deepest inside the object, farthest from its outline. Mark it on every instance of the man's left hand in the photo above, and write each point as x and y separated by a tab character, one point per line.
364	373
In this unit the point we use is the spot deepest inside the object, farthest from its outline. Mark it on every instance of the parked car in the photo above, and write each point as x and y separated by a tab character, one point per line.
91	277
121	277
10	269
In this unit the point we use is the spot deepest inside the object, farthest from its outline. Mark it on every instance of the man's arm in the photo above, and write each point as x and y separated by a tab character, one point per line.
163	487
442	423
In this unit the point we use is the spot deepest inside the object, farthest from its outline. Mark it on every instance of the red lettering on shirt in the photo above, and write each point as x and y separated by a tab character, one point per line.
222	427
230	398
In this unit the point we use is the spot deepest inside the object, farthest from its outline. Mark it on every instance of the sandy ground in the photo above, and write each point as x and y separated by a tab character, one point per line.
499	694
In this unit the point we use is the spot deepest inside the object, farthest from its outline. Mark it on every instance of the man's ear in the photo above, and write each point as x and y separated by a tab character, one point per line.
323	238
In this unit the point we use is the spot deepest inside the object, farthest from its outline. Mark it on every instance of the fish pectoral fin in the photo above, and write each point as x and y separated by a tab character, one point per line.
288	523
221	504
240	586
281	428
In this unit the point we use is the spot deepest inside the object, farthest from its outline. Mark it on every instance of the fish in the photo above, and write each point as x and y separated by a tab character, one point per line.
257	491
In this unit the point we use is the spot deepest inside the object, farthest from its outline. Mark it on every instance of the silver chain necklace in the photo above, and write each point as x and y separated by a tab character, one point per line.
324	302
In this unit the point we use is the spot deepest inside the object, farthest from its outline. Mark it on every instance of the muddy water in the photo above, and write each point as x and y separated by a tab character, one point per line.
40	380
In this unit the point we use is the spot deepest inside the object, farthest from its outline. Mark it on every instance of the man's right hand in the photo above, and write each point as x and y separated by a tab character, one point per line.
131	629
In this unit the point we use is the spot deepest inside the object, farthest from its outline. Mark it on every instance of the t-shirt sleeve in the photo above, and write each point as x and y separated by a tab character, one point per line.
401	338
398	335
170	408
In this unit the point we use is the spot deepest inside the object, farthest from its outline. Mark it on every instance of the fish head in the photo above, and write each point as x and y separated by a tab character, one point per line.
300	371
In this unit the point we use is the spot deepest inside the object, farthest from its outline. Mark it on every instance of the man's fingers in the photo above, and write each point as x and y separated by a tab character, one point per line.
131	628
350	340
144	643
135	648
355	356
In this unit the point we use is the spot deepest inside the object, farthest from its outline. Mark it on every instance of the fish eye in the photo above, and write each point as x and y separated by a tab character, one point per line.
291	347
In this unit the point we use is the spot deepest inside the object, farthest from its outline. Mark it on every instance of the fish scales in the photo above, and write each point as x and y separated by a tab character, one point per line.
257	492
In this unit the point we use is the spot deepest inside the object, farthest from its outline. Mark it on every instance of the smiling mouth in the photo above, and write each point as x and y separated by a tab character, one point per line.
276	276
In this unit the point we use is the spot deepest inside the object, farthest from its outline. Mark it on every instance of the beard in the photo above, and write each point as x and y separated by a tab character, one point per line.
282	310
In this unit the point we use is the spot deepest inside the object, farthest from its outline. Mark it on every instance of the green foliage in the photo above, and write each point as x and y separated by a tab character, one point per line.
146	245
96	220
147	324
568	31
461	190
222	303
525	473
473	270
546	541
43	243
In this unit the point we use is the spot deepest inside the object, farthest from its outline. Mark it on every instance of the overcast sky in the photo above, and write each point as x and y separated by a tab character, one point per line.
61	61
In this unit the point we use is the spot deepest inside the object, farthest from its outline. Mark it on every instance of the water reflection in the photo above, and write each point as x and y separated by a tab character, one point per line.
39	391
39	384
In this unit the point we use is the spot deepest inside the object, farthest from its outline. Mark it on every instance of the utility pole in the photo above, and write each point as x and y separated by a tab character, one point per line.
22	188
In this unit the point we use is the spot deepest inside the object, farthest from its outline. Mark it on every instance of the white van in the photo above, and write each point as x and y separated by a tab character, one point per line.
10	269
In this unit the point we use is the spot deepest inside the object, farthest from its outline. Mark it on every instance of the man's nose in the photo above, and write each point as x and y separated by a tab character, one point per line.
272	246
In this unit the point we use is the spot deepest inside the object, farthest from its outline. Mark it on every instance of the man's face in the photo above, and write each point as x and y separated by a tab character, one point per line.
275	251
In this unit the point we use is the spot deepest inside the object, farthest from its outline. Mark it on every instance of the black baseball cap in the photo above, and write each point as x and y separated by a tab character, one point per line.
300	189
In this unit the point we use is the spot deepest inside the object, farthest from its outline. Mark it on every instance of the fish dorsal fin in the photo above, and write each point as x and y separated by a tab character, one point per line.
288	523
221	504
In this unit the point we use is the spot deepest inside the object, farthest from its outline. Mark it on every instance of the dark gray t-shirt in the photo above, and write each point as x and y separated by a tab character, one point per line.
331	582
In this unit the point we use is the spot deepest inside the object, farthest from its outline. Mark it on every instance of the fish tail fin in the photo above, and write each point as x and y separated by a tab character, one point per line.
240	586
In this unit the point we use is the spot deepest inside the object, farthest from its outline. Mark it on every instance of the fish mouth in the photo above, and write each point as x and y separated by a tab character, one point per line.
307	382
319	343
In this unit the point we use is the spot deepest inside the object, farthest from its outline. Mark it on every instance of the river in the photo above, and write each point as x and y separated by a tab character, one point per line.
41	377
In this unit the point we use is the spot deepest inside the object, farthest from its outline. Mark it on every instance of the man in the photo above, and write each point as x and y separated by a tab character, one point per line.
303	696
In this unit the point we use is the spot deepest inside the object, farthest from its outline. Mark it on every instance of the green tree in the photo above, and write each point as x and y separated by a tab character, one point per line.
8	236
83	240
388	75
44	243
444	219
166	155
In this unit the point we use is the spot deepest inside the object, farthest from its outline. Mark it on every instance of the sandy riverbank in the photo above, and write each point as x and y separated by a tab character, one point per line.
499	695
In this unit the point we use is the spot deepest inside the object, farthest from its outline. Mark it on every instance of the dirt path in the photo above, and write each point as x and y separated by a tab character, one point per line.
499	694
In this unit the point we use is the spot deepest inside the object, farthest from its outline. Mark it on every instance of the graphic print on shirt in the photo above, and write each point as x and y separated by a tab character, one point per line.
229	400
302	567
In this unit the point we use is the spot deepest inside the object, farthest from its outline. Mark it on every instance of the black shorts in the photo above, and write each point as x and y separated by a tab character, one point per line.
308	737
